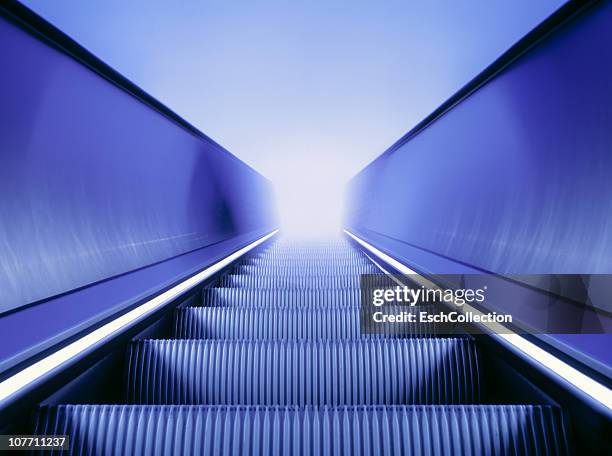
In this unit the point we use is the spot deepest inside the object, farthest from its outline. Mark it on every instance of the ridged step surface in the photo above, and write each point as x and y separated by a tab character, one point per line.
393	371
282	323
310	252
305	262
323	269
397	430
244	297
299	282
317	257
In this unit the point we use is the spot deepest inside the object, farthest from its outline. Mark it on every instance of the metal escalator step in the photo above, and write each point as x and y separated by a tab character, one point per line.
290	270
244	297
221	430
297	282
310	250
305	262
305	254
374	371
282	323
310	257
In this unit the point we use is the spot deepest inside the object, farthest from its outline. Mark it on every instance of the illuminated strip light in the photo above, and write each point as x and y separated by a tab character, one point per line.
579	380
30	374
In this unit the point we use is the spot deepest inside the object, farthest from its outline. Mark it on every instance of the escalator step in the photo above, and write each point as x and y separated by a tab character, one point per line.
311	252
297	282
308	261
241	297
221	430
373	371
281	323
299	270
305	262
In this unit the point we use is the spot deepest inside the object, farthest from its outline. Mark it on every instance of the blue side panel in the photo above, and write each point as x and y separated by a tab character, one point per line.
33	329
95	183
514	177
517	178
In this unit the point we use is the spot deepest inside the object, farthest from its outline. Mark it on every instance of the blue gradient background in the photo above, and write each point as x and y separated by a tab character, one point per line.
307	92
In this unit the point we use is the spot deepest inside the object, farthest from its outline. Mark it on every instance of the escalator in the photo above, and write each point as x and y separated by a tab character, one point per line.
147	308
271	359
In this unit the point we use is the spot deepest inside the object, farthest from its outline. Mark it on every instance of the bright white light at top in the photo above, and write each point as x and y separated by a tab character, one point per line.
309	196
